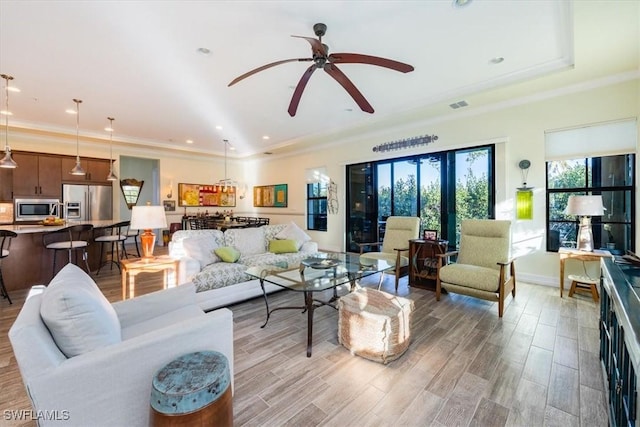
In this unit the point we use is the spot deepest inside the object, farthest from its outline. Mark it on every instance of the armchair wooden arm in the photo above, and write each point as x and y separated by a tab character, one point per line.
362	245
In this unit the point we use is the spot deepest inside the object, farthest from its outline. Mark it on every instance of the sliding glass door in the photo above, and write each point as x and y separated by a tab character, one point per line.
441	189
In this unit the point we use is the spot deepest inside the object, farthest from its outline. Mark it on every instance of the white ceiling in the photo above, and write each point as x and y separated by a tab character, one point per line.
137	61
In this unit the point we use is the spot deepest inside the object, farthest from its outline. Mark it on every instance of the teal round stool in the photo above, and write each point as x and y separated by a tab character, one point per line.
193	390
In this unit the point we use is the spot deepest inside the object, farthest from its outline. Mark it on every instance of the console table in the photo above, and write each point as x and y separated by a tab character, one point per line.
423	262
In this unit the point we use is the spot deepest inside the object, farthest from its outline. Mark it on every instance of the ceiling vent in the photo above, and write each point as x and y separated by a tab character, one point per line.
458	104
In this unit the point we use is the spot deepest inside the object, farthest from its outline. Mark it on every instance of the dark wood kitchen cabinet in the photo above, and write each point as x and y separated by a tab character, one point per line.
37	175
6	184
97	170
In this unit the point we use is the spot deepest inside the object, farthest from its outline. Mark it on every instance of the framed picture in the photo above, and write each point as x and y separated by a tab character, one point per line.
169	205
206	195
430	235
270	196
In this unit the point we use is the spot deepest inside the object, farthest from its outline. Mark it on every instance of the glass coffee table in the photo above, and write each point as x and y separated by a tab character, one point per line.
318	274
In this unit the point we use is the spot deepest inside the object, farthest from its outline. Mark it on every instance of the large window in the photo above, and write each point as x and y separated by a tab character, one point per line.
441	188
317	206
613	177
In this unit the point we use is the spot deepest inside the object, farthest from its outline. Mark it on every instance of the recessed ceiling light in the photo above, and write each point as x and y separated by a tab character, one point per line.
108	129
218	127
496	60
203	51
189	141
6	113
231	147
265	137
461	3
13	89
70	111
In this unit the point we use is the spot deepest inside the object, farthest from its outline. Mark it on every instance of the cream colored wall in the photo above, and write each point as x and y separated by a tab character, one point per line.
518	131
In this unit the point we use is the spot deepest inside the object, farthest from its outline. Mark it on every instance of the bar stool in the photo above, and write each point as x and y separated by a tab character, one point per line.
582	284
74	238
134	234
115	235
5	242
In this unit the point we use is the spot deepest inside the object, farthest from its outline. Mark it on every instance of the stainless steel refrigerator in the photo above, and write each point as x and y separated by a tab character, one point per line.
87	202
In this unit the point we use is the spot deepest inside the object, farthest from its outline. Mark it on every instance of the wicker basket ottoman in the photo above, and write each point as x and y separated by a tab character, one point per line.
374	324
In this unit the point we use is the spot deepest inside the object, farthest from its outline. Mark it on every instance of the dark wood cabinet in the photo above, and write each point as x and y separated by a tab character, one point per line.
423	262
6	184
619	349
96	170
37	175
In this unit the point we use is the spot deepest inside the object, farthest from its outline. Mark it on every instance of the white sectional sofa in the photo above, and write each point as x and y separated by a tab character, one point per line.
219	283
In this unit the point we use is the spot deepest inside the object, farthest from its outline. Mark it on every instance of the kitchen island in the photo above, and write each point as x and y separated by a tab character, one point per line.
29	263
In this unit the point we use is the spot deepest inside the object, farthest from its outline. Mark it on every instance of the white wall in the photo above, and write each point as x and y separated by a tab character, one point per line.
518	129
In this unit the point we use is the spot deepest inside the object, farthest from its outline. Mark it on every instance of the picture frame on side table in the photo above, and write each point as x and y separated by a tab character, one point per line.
430	235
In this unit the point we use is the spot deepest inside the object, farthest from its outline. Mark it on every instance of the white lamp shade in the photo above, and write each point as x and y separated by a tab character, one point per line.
585	206
148	217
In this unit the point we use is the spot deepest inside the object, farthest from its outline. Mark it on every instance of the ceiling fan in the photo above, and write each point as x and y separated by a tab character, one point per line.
322	59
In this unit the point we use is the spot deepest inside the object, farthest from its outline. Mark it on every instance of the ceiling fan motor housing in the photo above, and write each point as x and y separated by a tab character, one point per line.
320	29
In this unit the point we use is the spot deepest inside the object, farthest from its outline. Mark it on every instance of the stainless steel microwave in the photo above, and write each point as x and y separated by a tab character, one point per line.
36	209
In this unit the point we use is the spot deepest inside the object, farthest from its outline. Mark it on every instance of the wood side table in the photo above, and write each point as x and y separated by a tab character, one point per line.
569	253
423	262
132	267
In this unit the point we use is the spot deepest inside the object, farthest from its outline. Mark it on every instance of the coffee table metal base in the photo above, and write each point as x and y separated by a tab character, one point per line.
310	304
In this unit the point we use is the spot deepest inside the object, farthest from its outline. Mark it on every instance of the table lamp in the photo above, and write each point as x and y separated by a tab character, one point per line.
147	218
585	207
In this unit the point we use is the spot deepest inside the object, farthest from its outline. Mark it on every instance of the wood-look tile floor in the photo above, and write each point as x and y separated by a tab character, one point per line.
537	366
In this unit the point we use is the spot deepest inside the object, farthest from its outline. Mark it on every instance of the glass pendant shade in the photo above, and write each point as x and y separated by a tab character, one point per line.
77	169
7	161
524	203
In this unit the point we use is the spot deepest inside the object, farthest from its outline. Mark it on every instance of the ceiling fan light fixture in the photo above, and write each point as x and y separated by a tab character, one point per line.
7	161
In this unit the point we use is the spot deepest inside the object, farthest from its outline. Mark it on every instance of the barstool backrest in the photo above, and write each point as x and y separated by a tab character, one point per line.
72	233
5	242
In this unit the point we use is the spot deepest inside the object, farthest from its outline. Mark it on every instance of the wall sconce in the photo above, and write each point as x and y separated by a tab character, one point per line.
524	195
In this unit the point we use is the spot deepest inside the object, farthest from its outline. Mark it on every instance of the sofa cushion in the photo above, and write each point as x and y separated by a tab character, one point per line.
77	314
219	275
283	246
248	241
201	249
293	232
228	254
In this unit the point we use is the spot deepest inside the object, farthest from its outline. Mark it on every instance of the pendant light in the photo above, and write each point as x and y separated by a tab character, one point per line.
7	162
77	169
112	176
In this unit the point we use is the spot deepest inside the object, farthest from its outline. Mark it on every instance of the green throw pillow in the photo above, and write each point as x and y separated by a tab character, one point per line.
283	246
227	253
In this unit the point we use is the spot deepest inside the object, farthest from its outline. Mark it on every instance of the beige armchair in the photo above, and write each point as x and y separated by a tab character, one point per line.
395	245
484	268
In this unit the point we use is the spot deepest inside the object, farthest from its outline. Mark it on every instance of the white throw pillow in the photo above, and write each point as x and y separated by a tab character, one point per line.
293	232
201	249
77	314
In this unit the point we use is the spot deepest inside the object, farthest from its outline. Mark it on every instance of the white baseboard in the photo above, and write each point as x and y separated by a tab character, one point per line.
537	279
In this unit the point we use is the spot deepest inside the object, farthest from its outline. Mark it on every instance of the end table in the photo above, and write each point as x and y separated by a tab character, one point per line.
132	267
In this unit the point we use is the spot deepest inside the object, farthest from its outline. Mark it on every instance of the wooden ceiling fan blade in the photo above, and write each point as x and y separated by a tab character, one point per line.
297	93
356	58
316	45
344	81
264	67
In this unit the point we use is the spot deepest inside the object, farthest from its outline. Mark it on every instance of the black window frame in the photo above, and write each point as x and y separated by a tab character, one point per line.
592	167
317	218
